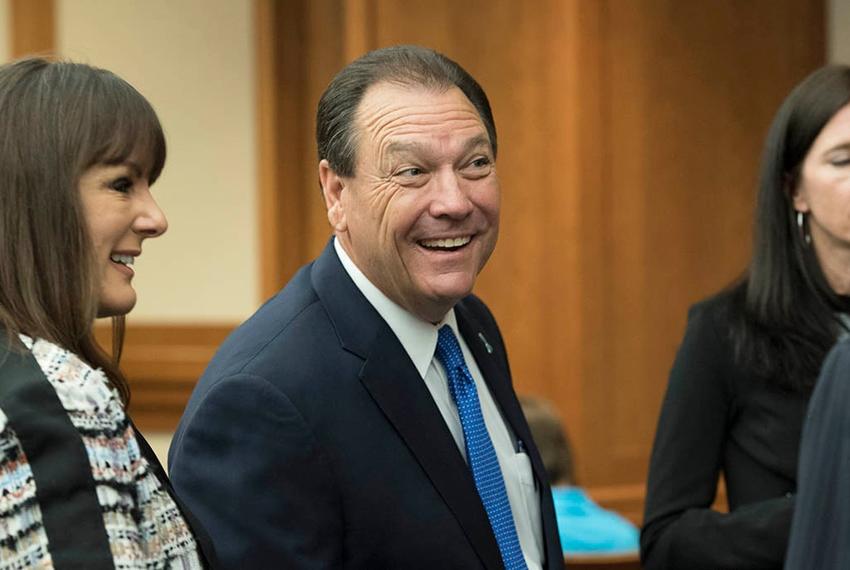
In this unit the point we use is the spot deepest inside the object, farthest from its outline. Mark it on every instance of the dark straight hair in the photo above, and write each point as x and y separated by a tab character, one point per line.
403	65
790	311
57	119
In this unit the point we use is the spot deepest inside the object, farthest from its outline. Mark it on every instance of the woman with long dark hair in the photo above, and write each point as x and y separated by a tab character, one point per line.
739	387
79	487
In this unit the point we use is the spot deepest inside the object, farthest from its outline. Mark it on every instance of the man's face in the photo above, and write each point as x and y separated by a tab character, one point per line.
420	217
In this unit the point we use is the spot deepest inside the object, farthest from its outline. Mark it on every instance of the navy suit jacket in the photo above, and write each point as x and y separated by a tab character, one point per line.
822	506
311	441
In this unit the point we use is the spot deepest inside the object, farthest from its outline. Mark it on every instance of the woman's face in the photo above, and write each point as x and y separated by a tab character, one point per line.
120	213
823	192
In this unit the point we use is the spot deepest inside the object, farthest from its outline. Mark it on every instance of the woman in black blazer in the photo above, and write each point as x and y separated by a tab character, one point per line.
744	373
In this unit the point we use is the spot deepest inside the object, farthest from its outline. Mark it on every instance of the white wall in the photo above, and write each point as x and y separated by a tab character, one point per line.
194	61
838	31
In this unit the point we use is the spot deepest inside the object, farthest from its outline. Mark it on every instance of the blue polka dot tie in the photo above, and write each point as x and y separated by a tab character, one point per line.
479	450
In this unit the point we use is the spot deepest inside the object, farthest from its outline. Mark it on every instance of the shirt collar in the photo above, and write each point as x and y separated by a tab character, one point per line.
418	337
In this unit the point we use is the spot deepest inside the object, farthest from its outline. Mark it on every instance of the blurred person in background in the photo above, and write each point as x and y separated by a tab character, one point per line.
585	528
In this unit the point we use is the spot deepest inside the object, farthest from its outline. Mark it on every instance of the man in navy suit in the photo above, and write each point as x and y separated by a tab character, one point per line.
364	417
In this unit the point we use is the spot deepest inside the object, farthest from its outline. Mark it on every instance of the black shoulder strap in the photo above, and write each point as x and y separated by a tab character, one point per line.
65	487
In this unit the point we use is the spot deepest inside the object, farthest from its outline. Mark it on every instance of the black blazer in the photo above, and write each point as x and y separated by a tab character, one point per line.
312	442
822	518
718	417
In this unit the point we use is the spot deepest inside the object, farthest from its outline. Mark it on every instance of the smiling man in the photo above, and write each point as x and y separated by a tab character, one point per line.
364	417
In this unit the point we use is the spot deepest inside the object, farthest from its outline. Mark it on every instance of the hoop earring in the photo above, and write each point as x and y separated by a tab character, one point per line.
801	226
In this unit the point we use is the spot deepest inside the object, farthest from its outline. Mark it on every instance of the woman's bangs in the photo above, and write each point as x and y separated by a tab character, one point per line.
131	131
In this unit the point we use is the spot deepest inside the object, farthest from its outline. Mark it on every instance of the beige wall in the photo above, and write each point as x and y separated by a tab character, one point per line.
194	60
838	30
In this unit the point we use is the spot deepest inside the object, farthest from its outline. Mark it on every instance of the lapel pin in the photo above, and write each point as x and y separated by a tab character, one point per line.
486	344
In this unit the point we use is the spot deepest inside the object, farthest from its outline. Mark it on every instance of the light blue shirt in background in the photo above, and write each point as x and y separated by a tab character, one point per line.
587	528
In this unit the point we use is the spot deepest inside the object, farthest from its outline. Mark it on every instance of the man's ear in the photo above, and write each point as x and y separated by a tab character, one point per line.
332	189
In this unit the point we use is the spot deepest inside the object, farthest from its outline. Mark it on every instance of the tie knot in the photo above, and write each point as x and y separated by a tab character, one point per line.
448	349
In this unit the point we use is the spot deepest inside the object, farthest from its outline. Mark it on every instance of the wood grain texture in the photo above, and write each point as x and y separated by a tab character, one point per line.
33	27
630	134
282	58
301	45
162	363
688	91
272	224
603	561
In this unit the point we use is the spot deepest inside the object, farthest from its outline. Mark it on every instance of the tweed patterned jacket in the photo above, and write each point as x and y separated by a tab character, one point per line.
72	468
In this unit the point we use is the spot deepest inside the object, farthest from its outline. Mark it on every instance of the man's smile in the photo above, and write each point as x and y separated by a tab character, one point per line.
447	244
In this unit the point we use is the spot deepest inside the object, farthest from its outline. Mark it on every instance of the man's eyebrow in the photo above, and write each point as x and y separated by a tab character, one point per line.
475	142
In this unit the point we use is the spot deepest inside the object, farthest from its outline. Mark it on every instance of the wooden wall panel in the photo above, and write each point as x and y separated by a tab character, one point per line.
162	363
301	45
33	27
276	223
629	139
691	92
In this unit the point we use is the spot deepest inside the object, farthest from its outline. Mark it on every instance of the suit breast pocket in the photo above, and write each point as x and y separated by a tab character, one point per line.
529	525
522	467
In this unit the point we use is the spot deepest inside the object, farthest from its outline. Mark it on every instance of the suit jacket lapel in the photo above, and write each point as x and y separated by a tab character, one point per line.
401	394
395	385
496	378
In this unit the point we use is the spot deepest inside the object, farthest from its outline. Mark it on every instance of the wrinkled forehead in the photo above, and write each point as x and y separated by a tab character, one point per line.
391	116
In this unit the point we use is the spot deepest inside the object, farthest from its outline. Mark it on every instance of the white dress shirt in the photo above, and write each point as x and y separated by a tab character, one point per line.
419	339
